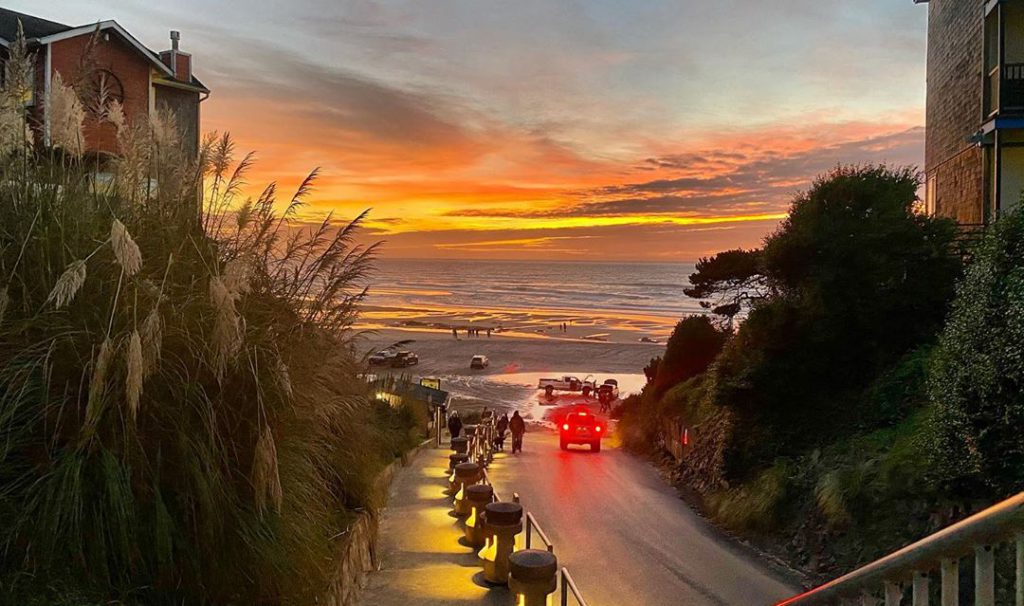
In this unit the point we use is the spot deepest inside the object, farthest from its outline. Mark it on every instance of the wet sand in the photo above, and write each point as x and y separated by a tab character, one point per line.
553	324
516	363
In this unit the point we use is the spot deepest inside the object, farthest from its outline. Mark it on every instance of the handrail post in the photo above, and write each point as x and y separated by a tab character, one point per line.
920	588
529	530
1020	569
893	593
984	576
950	582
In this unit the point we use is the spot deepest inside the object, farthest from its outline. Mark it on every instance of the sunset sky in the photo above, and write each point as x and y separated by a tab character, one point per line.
542	129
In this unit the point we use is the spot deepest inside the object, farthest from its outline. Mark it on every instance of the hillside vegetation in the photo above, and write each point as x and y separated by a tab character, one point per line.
871	390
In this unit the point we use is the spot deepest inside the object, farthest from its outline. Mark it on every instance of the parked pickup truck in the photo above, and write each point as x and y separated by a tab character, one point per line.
566	383
608	391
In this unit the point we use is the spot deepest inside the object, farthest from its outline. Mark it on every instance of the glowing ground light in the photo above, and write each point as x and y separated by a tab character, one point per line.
461	493
471	522
490	550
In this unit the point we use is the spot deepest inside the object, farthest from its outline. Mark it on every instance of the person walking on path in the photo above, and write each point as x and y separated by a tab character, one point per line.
518	427
500	428
455	333
454	424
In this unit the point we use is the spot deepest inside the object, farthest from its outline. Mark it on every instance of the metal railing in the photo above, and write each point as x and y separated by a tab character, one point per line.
531	527
568	585
978	534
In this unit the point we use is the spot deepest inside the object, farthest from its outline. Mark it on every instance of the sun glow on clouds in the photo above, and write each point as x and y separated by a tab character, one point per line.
541	130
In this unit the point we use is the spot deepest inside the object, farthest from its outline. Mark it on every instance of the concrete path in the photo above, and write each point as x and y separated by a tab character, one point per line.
422	558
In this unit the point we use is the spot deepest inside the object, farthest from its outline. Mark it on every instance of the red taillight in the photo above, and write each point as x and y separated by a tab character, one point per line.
565	426
598	429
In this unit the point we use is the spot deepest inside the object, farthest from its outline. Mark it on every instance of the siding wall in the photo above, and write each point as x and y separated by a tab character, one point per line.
185	107
954	108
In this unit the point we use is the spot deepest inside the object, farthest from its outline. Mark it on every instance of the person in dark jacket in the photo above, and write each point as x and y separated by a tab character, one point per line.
518	427
500	428
454	424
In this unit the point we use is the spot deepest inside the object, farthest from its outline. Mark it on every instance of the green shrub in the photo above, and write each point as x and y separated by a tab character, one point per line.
693	346
977	378
758	505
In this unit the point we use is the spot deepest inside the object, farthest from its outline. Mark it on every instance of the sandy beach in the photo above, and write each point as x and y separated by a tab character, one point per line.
516	364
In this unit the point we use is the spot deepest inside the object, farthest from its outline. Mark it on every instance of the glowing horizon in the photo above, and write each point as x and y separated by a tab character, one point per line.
538	130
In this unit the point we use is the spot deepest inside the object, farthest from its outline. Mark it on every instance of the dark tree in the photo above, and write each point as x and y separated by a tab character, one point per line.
693	346
855	280
728	281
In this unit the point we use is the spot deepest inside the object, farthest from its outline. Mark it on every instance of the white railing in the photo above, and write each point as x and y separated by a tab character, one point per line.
913	565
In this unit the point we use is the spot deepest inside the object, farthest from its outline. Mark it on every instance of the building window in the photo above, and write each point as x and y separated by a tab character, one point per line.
930	193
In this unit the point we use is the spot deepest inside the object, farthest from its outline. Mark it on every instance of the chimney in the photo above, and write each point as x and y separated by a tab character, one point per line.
179	62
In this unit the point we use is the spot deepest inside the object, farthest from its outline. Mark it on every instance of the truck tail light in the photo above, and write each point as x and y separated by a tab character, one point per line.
565	426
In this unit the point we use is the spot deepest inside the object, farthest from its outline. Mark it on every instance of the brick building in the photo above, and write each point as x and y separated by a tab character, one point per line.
117	66
974	151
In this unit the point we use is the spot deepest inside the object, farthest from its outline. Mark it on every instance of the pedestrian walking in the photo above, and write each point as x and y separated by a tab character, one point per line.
454	424
518	427
455	333
500	428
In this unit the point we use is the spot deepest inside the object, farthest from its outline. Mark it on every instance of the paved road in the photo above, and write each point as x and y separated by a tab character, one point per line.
625	535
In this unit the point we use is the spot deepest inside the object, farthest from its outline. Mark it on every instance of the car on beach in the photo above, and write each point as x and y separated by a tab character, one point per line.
405	358
566	383
479	363
581	427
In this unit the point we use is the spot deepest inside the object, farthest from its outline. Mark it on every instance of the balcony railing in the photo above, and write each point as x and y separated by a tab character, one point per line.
1004	89
1011	90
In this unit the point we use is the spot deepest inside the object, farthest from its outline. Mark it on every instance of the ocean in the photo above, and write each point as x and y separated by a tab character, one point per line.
610	294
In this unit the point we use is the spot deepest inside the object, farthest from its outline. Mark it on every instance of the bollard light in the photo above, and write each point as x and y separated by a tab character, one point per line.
533	576
460	445
478	495
466	474
502	522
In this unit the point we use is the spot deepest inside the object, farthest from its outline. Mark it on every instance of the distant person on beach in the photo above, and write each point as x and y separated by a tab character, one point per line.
454	424
488	333
518	427
455	333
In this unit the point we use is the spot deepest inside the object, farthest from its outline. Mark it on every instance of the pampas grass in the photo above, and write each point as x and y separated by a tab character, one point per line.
68	285
66	117
126	251
181	416
151	337
133	378
97	388
265	475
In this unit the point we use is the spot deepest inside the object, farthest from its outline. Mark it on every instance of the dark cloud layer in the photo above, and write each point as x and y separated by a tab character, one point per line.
754	181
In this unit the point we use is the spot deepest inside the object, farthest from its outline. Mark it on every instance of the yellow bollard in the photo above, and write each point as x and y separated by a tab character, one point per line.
460	445
478	495
533	576
502	522
466	475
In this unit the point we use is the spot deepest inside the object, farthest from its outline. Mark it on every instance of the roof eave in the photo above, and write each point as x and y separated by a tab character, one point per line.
173	83
114	25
